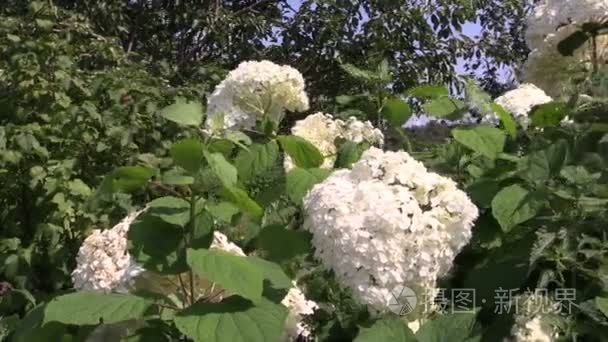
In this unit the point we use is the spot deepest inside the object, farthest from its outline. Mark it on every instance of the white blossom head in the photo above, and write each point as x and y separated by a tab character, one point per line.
299	307
254	90
322	130
520	102
386	223
532	319
104	263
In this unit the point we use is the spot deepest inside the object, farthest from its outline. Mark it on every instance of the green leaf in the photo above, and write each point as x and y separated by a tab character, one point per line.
602	305
272	272
78	187
176	177
303	153
123	179
92	308
225	171
280	244
237	274
483	191
157	245
396	112
505	267
488	141
170	209
256	161
300	181
514	205
455	327
223	211
238	138
506	119
233	320
44	24
349	153
188	154
384	71
579	175
542	165
184	113
548	114
242	200
428	91
444	107
360	74
389	329
477	98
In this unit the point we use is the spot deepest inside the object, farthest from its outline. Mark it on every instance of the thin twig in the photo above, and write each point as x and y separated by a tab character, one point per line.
181	283
209	299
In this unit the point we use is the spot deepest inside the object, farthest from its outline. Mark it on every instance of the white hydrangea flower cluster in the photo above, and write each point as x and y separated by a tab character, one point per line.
531	324
322	130
551	22
251	91
103	261
520	102
298	307
386	223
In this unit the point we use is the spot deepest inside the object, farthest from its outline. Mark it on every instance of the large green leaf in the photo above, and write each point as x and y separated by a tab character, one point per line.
514	205
272	272
542	165
455	327
300	181
176	177
188	154
388	329
506	119
396	111
303	153
280	244
444	107
505	267
127	179
241	199
478	99
488	141
225	171
258	159
428	91
548	114
360	74
184	113
157	245
91	308
237	274
233	320
349	153
170	209
223	211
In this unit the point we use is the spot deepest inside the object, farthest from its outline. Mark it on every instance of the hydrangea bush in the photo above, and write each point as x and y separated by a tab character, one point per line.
340	228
